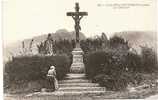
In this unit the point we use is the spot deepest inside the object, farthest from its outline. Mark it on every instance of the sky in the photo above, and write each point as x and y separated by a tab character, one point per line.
22	19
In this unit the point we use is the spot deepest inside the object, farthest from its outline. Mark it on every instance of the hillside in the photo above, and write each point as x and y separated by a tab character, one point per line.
15	48
139	38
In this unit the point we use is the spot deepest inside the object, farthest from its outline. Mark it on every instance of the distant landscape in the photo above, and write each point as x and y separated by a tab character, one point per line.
135	39
140	38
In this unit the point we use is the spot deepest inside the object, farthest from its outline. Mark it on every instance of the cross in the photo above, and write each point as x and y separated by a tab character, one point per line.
77	16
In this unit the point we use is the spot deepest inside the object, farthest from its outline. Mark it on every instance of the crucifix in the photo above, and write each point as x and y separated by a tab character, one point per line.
77	16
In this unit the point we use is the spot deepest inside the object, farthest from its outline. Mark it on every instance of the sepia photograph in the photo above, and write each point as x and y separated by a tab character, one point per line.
79	49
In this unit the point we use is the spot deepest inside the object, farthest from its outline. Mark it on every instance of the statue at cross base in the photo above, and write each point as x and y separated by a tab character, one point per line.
77	64
48	44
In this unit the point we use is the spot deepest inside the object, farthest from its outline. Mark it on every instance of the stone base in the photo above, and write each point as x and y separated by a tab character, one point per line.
77	64
77	68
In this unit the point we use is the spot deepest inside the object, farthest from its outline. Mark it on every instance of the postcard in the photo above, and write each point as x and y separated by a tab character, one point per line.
79	49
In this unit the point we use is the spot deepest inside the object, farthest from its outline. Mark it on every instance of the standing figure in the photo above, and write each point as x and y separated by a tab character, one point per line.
51	77
49	45
104	40
30	46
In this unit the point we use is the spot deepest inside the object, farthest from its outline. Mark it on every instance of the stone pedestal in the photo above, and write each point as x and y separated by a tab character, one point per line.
77	64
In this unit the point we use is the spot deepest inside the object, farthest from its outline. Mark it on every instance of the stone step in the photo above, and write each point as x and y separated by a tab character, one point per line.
67	93
75	75
80	92
79	85
67	78
77	64
75	81
81	89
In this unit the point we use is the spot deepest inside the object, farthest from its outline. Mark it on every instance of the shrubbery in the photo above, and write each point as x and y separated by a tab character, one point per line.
149	60
112	66
107	68
116	66
61	46
32	68
90	45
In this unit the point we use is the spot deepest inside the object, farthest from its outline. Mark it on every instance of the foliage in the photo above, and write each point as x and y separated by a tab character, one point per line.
107	68
118	42
112	82
32	68
133	62
116	66
90	45
61	46
66	46
149	60
110	63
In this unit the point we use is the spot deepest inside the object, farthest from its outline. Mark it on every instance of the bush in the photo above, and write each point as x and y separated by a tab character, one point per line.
149	60
112	82
90	45
93	62
133	62
107	68
26	68
118	42
61	46
105	62
114	68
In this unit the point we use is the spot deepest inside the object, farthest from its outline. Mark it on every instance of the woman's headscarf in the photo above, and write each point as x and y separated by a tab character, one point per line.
51	71
52	67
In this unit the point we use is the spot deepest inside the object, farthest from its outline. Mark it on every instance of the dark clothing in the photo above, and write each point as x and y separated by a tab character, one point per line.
50	81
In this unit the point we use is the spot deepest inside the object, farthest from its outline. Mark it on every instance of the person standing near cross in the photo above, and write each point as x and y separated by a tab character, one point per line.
77	16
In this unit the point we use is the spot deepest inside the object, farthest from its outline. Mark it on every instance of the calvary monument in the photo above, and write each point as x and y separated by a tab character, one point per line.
77	64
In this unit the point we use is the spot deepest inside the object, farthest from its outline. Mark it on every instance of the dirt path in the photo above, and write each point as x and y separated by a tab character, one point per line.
147	94
154	97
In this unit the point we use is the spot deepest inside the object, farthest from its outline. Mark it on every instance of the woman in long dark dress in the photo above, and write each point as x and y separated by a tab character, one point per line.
52	81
